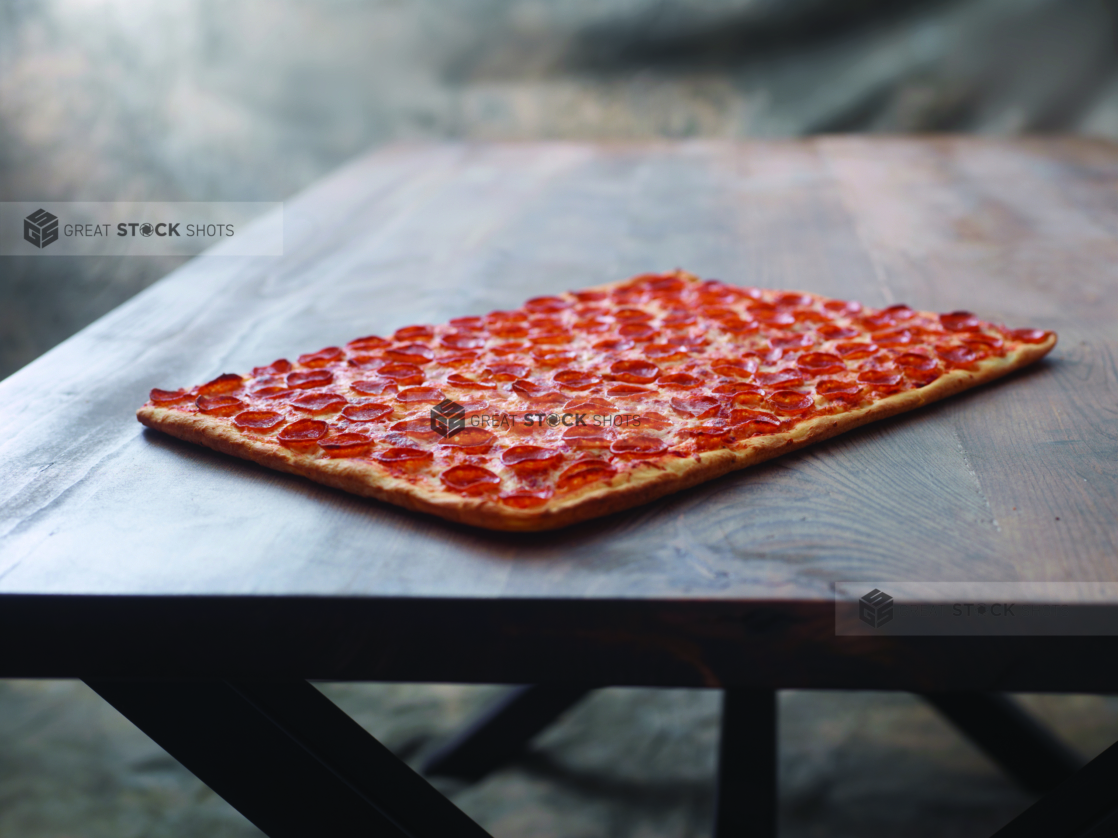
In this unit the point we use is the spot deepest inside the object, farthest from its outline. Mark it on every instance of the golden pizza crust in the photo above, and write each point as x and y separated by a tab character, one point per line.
650	480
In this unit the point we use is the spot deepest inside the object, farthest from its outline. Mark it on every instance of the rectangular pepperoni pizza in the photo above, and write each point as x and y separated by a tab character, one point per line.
588	402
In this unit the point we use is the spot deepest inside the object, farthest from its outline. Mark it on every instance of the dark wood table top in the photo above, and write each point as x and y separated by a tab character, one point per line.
125	551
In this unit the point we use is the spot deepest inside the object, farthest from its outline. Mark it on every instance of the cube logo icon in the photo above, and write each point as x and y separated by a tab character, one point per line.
875	609
40	228
448	418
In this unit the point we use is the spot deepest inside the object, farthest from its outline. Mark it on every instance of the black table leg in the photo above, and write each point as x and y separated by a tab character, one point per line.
1084	806
502	731
1025	749
287	758
746	797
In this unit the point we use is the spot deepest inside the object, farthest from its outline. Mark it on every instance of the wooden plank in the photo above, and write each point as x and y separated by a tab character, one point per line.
968	489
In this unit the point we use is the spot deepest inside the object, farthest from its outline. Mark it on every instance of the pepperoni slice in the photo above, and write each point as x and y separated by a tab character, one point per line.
589	296
275	368
461	381
633	315
732	370
219	405
793	298
980	341
547	304
275	393
855	349
458	359
526	500
471	440
663	284
553	357
959	355
303	431
374	388
801	340
820	363
583	473
634	372
613	345
959	321
690	341
505	329
405	458
319	403
835	389
789	401
591	405
508	348
698	406
576	379
506	317
830	331
310	379
420	395
258	420
778	318
783	378
507	372
402	373
639	446
412	333
366	362
586	436
550	337
753	395
322	357
754	421
637	332
665	352
227	383
715	312
158	396
369	412
468	324
537	392
678	320
593	324
458	340
680	380
880	378
412	353
624	391
898	337
732	388
1029	335
737	326
367	344
470	480
345	445
418	428
913	361
529	458
878	320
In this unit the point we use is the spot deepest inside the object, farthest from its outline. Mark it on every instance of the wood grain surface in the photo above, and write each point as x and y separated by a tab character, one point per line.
1017	481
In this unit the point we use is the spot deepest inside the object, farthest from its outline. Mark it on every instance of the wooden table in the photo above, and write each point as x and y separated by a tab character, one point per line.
125	554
